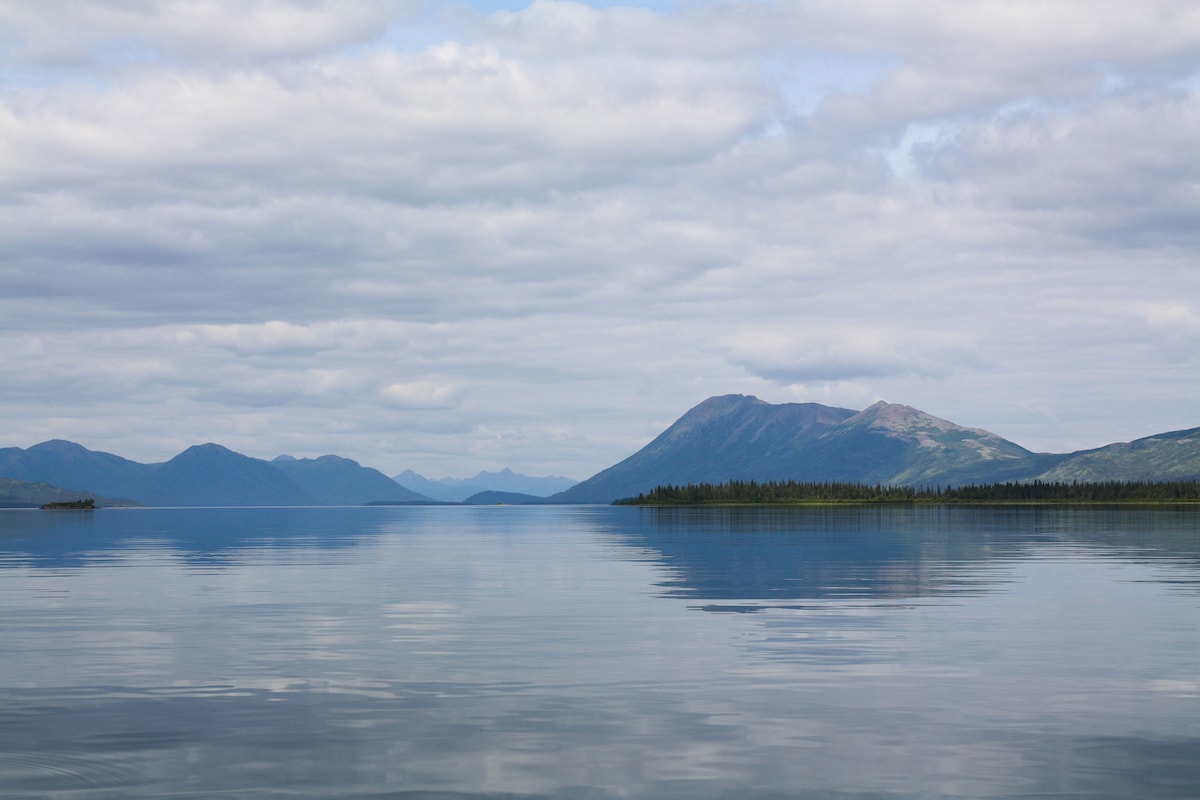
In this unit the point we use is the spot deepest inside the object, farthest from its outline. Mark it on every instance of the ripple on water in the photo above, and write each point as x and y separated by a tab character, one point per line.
60	772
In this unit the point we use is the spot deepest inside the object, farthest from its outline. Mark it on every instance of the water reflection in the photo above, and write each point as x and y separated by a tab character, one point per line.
475	742
775	554
562	653
198	536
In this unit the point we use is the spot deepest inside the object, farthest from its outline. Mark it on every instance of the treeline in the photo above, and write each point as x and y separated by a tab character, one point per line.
787	492
88	504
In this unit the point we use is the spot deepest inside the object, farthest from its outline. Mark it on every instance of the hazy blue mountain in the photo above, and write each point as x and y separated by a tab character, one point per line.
508	481
740	437
212	475
333	480
415	482
456	490
62	463
1163	456
493	498
203	475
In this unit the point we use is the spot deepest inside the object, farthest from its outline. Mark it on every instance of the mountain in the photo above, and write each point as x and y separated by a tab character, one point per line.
1164	456
332	480
212	475
204	475
64	463
727	437
740	437
494	498
723	438
899	445
456	490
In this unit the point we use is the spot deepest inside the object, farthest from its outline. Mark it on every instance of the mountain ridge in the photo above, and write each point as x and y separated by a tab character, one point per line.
726	437
739	437
459	490
203	475
213	475
333	480
722	438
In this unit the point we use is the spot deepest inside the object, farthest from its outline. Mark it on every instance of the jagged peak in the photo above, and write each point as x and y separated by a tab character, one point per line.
484	475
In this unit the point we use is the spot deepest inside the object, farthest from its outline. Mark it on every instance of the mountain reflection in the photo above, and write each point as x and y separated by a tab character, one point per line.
554	652
198	536
759	553
769	555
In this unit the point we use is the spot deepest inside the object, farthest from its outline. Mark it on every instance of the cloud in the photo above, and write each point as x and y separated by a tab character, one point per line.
96	35
1172	316
422	394
844	353
453	239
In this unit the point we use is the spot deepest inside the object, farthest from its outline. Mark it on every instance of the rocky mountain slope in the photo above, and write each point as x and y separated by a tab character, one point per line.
741	437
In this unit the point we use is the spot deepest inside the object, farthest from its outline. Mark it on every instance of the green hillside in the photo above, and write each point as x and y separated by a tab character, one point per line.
25	494
1165	456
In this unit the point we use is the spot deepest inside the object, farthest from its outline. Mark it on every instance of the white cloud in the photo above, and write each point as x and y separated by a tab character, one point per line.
1172	316
836	353
422	394
89	34
539	239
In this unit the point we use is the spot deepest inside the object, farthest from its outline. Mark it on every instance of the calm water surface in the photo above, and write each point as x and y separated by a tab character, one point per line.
594	652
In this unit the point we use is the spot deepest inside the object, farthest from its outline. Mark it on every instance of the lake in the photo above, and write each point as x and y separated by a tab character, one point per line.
600	652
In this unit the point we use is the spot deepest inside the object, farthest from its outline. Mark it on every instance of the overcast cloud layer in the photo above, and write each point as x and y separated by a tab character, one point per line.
454	238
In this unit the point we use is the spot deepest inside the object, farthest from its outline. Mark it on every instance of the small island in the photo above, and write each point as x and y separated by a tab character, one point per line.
71	505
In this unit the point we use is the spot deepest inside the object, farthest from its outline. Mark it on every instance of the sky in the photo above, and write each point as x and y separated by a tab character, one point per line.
458	237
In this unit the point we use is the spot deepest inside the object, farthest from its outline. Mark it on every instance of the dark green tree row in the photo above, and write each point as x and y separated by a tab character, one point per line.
71	505
784	492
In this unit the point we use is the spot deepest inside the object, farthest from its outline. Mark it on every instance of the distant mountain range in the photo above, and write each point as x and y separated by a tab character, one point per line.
742	437
723	438
332	480
212	475
204	475
457	490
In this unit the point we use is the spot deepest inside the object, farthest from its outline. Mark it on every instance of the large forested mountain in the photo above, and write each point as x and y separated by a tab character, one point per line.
736	437
733	436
